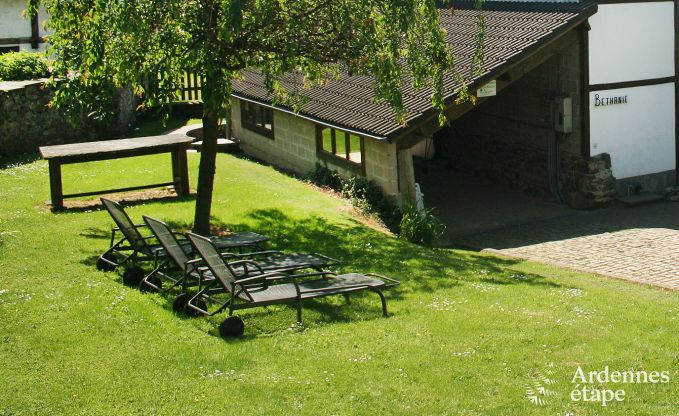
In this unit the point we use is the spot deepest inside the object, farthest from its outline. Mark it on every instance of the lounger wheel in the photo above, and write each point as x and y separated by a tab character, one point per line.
104	263
232	326
133	276
180	304
153	280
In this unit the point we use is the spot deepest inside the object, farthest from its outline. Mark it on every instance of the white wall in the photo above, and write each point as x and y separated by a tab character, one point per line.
43	18
631	41
12	23
638	135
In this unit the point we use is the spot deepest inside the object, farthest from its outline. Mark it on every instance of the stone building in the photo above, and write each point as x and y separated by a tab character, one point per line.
572	96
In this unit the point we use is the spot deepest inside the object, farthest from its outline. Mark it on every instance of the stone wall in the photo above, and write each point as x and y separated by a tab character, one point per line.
27	122
591	184
294	148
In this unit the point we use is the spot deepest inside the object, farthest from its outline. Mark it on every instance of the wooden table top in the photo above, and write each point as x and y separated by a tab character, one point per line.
113	146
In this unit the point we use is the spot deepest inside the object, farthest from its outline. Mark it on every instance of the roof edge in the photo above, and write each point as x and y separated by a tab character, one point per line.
449	100
308	117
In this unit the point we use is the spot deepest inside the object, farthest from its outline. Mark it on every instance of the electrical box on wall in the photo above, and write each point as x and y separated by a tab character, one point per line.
563	119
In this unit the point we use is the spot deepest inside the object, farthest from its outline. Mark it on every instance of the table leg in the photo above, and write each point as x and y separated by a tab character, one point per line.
56	190
180	171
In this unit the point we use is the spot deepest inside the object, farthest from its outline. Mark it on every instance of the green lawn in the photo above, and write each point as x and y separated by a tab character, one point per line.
341	144
467	335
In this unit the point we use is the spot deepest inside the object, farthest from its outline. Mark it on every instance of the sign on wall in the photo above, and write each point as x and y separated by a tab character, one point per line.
636	127
603	100
488	90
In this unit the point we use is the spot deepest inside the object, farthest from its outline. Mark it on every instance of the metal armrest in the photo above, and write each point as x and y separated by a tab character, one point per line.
245	263
340	289
252	254
314	274
262	278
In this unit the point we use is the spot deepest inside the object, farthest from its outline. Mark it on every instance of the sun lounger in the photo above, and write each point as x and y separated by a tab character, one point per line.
179	269
270	288
130	246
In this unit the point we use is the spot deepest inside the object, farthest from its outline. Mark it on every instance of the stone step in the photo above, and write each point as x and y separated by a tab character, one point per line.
640	199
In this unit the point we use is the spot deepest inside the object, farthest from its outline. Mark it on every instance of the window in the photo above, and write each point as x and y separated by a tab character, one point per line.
340	146
6	49
257	118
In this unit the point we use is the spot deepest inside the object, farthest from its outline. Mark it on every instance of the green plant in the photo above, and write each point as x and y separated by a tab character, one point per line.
19	66
421	227
324	177
369	197
364	194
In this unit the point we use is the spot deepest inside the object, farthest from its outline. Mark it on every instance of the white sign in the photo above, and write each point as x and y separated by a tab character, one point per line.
488	90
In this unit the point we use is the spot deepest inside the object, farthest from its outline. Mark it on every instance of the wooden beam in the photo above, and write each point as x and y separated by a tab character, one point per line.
585	147
35	31
17	41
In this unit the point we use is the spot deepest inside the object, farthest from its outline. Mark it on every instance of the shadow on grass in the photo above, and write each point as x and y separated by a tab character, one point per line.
361	249
18	160
126	200
365	250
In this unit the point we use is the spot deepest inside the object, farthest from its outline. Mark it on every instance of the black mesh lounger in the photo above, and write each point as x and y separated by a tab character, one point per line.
133	247
179	268
271	288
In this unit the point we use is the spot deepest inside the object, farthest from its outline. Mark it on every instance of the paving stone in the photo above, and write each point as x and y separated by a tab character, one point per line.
640	244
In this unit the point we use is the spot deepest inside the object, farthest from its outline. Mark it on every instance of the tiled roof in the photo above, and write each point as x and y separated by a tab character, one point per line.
514	30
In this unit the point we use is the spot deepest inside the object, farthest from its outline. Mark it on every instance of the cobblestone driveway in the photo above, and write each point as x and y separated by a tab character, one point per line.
640	244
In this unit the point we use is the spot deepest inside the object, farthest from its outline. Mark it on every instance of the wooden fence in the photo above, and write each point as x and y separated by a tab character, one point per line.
191	90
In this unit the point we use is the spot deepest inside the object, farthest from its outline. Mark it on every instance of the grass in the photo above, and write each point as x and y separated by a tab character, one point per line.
468	333
341	144
155	125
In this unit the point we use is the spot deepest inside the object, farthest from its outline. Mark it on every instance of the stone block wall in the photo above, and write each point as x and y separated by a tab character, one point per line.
294	148
591	183
27	122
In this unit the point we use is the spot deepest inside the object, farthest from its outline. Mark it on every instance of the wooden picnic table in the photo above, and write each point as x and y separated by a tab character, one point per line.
115	149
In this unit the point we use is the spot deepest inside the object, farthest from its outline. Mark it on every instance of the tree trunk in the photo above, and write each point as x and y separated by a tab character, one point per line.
212	104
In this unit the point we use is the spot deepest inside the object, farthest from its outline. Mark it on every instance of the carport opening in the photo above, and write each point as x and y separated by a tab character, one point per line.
506	162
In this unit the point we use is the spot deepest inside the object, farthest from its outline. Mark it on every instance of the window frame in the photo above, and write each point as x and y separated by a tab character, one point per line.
9	48
248	122
342	161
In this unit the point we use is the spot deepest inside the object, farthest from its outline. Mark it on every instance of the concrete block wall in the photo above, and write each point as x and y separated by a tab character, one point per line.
294	148
381	166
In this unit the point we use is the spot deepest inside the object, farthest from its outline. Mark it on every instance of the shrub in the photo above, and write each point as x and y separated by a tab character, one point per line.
364	194
369	197
421	227
418	227
19	66
324	177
